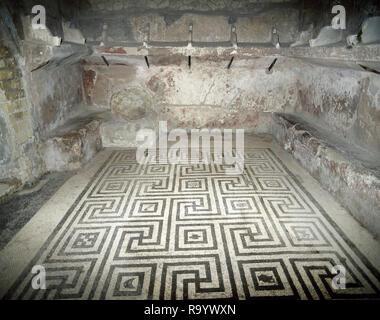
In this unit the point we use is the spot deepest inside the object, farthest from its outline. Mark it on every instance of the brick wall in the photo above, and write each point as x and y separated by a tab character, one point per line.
13	100
19	153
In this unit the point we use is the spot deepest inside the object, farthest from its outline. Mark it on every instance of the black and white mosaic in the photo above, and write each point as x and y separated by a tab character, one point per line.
191	232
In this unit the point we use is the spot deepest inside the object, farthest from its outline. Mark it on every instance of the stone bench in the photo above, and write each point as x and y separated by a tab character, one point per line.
349	173
73	144
7	188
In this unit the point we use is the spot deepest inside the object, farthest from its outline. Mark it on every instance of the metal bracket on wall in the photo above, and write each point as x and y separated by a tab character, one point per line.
146	35
234	37
190	36
269	70
369	69
275	38
105	61
230	63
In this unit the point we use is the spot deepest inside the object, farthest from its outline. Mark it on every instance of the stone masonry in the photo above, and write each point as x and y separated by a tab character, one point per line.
17	137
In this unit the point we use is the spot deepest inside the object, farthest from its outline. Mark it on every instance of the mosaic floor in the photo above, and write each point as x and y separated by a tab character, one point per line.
192	232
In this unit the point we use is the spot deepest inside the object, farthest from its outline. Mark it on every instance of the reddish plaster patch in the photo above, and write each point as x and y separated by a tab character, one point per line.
114	50
154	84
49	111
88	83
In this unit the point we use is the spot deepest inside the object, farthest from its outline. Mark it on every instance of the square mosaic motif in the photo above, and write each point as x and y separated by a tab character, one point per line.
192	232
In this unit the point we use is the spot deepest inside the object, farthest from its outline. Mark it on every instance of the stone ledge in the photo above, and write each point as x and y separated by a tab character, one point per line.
337	56
355	186
72	149
7	189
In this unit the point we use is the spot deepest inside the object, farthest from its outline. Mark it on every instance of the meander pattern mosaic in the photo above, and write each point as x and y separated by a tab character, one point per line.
191	232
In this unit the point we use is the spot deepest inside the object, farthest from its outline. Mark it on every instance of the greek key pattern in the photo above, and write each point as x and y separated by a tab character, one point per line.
191	232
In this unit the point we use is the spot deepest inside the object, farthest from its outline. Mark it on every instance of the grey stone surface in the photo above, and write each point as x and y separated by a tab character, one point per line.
131	104
5	152
7	189
327	36
20	208
370	30
40	35
354	181
72	34
73	147
117	133
345	102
